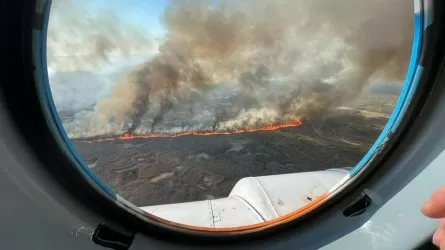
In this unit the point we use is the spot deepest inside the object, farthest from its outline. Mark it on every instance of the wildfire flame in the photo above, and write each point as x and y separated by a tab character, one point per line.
129	136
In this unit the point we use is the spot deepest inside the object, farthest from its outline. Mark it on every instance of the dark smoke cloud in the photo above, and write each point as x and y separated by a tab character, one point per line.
289	58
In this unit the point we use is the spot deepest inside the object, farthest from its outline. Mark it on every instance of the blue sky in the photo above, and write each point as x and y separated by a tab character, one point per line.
147	13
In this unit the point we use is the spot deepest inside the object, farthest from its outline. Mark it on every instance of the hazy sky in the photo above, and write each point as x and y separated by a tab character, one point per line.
143	16
147	13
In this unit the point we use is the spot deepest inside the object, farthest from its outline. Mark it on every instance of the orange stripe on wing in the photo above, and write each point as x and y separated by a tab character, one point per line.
253	227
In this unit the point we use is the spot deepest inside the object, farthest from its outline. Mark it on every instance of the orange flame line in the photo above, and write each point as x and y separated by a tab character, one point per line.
128	136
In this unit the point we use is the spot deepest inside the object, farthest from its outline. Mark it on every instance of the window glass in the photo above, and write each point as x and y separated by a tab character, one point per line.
244	110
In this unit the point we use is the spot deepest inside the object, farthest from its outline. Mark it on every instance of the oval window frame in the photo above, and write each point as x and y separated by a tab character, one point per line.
422	20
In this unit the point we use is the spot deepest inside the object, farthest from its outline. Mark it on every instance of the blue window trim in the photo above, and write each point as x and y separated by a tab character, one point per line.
50	108
410	86
422	20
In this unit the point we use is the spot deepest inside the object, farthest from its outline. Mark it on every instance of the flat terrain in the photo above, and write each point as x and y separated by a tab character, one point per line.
168	170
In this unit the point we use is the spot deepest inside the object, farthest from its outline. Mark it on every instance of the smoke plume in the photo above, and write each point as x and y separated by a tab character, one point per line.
286	59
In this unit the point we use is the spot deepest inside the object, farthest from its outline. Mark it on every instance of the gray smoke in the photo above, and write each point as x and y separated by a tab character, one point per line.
288	59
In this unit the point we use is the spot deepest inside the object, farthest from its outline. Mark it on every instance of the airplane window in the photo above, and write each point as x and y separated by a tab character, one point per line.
223	113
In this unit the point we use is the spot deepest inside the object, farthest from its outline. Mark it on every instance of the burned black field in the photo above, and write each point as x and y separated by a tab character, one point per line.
189	168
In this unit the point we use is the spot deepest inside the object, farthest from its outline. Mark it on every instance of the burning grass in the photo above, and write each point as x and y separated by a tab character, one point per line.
130	136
